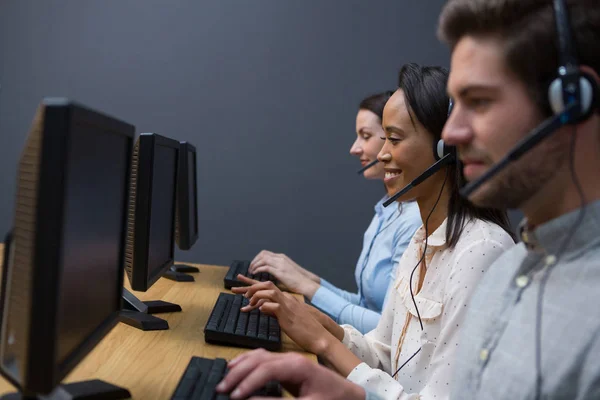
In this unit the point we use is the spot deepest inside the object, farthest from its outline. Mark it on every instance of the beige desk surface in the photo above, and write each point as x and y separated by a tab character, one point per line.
149	364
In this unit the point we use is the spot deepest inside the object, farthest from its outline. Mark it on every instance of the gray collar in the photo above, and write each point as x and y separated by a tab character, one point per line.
551	236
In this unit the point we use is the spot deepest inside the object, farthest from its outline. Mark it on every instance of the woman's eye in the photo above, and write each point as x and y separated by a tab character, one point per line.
392	140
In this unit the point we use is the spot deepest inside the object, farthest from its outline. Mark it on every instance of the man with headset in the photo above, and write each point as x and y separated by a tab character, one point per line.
526	123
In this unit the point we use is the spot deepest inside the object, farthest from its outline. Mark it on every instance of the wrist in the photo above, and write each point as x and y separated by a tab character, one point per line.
313	277
338	357
324	344
309	288
336	330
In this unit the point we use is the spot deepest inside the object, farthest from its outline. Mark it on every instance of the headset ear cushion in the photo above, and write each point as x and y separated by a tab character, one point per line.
439	150
555	96
588	92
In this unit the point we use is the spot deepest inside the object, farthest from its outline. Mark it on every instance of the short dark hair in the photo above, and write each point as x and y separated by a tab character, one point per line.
527	31
425	93
376	103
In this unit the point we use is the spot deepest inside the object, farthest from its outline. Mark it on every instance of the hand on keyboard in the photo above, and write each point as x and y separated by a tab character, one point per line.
300	376
333	327
240	267
294	318
202	375
289	274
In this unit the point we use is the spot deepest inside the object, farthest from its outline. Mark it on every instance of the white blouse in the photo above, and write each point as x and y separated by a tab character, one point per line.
452	275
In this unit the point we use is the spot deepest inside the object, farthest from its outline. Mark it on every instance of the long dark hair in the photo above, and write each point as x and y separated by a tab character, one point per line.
426	98
376	103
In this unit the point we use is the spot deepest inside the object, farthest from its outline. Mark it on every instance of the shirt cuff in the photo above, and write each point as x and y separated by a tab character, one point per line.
325	283
357	374
329	302
347	340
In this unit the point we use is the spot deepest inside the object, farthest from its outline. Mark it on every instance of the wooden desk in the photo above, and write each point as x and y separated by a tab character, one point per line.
150	364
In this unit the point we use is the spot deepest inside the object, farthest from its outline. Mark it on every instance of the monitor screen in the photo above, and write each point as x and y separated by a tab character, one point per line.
193	192
93	233
162	210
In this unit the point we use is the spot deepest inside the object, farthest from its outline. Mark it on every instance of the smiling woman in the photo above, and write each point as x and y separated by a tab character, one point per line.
368	130
384	241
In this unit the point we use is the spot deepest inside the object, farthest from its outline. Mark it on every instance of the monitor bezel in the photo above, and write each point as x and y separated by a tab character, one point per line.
186	235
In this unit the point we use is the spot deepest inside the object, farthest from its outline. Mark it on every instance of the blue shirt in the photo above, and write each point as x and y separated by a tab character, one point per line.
385	240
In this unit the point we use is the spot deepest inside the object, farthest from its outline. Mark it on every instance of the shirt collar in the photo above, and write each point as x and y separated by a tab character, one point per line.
386	212
551	236
436	239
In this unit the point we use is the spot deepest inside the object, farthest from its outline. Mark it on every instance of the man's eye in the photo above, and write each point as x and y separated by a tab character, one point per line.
478	102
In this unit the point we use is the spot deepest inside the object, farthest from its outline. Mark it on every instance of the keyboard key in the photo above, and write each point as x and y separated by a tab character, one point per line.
252	323
243	267
214	377
233	315
217	313
194	377
242	324
263	327
225	314
274	330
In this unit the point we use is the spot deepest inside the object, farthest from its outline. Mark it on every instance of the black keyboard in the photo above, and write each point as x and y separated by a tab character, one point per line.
241	267
203	375
228	325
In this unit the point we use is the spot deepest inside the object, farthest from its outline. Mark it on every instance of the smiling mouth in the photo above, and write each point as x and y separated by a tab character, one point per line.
391	175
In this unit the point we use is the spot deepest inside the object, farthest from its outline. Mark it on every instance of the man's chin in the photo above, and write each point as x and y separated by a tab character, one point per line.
493	195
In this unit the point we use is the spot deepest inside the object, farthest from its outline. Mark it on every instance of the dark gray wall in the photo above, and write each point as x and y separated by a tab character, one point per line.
266	90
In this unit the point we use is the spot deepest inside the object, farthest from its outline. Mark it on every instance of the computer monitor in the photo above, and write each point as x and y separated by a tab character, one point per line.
151	226
186	230
63	271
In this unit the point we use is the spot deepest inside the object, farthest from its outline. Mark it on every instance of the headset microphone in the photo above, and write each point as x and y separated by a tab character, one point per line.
447	159
366	167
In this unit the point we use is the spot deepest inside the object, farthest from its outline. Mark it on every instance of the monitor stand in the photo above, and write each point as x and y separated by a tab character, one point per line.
136	313
177	276
86	390
184	268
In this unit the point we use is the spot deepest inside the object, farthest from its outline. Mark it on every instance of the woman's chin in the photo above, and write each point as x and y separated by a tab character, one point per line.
374	174
390	193
392	188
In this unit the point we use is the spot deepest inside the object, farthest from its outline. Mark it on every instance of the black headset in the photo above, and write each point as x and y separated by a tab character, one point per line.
441	149
571	84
